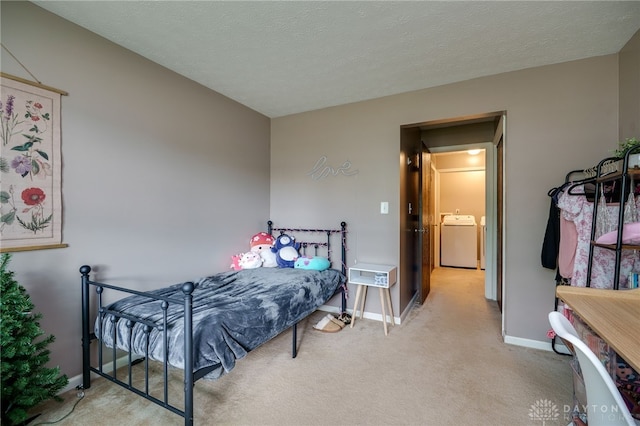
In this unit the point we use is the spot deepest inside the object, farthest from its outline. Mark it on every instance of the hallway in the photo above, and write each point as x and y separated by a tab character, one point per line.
457	305
463	290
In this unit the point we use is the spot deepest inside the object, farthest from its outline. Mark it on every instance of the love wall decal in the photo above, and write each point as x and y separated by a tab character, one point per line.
322	170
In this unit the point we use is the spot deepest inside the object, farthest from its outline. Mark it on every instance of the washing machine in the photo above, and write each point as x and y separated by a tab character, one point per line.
459	241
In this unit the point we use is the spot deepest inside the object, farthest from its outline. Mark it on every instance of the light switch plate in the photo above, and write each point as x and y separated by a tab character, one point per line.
384	207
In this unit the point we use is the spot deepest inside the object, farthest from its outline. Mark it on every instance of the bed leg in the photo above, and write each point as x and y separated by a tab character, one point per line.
187	289
343	234
294	343
86	337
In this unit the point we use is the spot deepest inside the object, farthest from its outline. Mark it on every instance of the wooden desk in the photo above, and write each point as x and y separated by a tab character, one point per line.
614	315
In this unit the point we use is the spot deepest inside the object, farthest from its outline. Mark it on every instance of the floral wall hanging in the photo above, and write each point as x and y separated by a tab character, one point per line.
30	166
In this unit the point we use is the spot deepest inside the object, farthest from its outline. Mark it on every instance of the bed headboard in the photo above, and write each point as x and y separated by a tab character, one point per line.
318	242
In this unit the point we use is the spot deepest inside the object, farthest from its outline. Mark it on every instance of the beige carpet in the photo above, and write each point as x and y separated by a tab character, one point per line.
445	365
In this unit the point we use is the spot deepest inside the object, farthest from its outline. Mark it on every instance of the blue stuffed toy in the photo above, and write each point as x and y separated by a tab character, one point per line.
313	263
286	250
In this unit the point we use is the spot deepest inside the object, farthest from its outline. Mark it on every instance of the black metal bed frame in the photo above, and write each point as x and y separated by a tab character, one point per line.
190	376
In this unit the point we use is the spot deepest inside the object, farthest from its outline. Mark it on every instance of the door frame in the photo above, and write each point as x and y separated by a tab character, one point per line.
494	195
490	192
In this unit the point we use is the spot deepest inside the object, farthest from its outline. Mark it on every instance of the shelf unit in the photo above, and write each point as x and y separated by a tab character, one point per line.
366	275
602	175
625	176
373	275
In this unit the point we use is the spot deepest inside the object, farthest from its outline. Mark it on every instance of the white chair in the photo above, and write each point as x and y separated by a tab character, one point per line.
605	405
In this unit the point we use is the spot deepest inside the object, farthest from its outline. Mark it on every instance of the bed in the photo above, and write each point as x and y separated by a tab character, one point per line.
207	324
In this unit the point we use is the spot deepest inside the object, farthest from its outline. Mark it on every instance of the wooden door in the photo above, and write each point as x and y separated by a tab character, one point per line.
425	232
410	241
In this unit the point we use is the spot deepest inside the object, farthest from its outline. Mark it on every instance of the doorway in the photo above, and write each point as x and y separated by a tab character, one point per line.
419	227
459	207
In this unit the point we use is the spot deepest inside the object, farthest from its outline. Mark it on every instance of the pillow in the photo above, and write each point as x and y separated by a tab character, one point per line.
315	263
630	235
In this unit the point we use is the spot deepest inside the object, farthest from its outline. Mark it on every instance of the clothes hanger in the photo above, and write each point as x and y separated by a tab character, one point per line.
567	181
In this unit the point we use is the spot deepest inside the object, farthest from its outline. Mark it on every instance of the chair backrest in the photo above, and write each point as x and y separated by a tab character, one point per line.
605	405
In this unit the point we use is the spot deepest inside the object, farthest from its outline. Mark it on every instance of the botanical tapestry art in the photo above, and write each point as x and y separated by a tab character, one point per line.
30	166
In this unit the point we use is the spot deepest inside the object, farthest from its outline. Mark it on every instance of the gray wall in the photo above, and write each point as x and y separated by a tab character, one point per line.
163	180
559	118
630	89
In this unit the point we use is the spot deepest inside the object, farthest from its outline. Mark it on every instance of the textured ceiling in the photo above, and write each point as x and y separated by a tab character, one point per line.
286	57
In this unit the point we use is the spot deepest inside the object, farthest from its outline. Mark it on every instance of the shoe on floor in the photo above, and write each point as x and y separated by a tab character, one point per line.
336	321
328	324
345	318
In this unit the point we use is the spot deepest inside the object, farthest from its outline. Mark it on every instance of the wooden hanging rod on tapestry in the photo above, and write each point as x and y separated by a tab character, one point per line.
33	83
30	248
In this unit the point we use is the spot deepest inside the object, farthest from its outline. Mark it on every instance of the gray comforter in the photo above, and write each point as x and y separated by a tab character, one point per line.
233	313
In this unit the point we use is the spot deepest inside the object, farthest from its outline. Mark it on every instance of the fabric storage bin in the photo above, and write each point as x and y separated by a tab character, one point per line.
579	391
628	381
603	351
626	378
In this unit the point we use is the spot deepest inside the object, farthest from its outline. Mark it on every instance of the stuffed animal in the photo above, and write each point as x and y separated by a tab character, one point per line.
315	263
235	262
262	243
268	258
250	260
286	250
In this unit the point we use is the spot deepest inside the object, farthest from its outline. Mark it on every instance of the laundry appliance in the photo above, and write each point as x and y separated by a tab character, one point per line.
459	241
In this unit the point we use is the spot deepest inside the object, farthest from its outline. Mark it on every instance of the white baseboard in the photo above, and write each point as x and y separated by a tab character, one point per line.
76	381
409	307
367	315
331	309
535	344
377	317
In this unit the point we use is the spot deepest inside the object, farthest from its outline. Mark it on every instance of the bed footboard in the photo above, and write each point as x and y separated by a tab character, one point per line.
88	337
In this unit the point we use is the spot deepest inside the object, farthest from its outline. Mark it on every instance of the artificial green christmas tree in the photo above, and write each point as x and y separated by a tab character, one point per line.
26	381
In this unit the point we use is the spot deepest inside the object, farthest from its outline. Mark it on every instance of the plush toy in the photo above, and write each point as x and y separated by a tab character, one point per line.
262	243
235	262
250	260
315	263
286	250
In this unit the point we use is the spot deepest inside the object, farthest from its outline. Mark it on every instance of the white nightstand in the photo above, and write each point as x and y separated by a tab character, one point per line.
367	275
